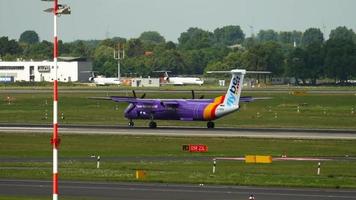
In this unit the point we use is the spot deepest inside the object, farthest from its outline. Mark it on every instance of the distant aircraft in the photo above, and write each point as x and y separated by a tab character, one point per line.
186	109
101	80
181	80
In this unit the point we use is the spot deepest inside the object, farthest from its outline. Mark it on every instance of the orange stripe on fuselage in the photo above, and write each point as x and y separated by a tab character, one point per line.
209	111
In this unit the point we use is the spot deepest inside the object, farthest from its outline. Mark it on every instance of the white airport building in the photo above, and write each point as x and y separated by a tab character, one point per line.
71	70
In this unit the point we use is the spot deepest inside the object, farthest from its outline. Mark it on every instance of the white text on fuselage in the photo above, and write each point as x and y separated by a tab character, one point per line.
147	106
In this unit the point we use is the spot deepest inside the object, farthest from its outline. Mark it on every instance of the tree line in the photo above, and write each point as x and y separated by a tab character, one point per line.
306	56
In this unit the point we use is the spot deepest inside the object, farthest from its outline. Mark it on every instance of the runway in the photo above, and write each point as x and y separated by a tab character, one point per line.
186	131
152	191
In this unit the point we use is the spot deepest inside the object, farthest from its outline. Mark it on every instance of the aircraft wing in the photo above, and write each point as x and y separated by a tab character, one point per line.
168	103
116	98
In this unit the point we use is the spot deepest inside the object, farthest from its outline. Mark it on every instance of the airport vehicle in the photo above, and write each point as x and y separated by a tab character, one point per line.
186	109
181	80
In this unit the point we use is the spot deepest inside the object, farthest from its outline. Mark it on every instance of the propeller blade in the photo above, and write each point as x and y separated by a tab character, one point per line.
201	97
134	93
133	106
143	96
193	94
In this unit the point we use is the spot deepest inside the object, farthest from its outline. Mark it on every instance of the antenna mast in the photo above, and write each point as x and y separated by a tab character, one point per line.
119	54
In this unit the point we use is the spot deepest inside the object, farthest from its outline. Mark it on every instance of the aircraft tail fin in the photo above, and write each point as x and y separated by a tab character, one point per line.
233	93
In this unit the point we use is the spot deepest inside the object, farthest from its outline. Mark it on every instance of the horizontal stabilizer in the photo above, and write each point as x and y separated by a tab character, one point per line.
232	71
251	99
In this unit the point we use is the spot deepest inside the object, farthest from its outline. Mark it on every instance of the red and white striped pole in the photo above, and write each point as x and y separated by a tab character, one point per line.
55	138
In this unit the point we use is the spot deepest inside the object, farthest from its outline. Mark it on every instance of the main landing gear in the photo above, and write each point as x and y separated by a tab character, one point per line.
210	124
152	124
131	123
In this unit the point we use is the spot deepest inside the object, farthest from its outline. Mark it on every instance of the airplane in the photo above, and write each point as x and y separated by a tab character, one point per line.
181	80
102	80
186	109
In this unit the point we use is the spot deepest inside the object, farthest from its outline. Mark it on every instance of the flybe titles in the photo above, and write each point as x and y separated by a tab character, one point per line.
233	90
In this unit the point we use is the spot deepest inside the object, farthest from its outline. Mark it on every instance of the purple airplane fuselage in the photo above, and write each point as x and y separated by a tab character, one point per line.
186	109
174	109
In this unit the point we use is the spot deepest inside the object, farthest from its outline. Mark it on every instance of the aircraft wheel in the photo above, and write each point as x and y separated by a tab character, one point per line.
152	125
131	124
210	125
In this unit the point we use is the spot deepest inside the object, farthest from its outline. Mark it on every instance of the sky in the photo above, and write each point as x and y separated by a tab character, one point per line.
100	19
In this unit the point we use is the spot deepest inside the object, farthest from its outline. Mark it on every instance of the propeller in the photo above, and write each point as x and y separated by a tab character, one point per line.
135	96
193	95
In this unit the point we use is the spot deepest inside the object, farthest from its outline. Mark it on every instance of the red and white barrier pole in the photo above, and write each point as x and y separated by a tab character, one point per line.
55	138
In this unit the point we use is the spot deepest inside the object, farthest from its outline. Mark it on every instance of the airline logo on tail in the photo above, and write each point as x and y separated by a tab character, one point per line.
235	85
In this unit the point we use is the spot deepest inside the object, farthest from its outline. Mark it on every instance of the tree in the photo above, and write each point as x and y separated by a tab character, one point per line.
10	47
250	42
234	60
296	65
343	33
266	56
170	60
340	59
195	38
217	66
312	35
29	37
289	37
229	35
137	66
170	45
104	62
267	35
40	51
315	61
79	49
135	48
194	61
151	37
286	37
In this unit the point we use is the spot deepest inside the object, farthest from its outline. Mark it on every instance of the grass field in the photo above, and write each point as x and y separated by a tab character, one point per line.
177	166
315	110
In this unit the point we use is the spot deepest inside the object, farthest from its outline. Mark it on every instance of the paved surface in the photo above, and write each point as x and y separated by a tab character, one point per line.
186	131
149	191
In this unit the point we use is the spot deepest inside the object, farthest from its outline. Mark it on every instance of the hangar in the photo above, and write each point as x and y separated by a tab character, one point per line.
69	70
